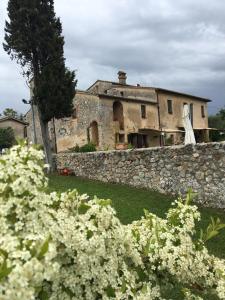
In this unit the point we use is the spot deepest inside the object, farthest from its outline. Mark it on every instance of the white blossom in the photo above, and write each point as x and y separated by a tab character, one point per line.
67	246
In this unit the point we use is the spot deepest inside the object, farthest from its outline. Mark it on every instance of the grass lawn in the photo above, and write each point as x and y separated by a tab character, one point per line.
129	203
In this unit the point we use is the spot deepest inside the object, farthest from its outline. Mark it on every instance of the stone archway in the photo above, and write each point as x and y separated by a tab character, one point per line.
94	136
118	114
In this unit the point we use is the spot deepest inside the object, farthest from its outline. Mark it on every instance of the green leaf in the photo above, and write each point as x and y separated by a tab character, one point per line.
44	248
220	226
103	202
146	248
83	208
136	235
124	286
141	274
189	197
43	295
4	270
110	292
33	252
212	234
3	253
89	234
68	291
201	234
146	212
144	289
213	222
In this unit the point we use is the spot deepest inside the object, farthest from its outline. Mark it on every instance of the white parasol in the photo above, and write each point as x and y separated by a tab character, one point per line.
189	133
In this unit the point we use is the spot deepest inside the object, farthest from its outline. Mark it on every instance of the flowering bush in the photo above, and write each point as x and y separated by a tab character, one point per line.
67	246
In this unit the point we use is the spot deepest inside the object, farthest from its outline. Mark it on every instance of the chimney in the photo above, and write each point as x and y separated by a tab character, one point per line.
122	76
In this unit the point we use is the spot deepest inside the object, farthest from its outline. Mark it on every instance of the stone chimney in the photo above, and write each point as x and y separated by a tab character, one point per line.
122	76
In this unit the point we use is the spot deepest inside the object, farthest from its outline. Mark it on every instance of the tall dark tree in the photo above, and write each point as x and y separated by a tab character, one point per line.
33	37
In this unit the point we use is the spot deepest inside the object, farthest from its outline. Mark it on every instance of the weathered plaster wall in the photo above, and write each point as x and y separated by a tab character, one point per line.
146	94
89	109
133	119
168	170
18	128
175	120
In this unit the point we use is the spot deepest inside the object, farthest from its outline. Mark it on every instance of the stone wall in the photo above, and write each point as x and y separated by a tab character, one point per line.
167	170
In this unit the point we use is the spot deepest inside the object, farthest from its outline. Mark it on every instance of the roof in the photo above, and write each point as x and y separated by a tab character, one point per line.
155	88
112	82
2	119
182	94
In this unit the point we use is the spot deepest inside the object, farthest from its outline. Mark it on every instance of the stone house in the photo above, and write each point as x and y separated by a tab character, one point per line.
19	127
114	114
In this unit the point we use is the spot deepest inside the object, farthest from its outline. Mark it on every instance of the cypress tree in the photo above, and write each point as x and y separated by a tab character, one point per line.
33	37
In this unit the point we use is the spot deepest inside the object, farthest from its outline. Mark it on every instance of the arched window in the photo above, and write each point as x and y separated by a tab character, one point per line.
118	114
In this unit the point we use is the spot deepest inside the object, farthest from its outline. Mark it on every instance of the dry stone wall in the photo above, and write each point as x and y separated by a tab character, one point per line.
168	170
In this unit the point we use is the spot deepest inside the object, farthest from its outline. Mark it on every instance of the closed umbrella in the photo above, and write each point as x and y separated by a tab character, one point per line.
189	132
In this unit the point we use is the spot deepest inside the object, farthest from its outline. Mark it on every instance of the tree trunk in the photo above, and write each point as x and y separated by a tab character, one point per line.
43	124
46	142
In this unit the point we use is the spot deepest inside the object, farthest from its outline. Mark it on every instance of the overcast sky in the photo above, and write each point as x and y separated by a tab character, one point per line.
173	44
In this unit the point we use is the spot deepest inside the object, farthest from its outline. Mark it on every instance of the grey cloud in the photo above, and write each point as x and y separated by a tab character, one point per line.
175	44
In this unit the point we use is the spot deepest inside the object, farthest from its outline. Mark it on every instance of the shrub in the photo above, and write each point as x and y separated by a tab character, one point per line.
7	138
67	246
90	147
85	148
130	146
75	149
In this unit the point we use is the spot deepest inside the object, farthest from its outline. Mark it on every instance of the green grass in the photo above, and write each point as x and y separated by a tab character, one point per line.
130	202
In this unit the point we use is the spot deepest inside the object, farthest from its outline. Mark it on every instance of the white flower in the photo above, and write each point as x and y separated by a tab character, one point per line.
73	247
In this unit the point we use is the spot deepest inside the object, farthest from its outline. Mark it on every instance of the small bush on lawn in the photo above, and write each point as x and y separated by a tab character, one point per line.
67	246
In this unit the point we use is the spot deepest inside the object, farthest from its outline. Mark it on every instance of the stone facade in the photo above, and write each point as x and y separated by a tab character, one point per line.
167	170
111	114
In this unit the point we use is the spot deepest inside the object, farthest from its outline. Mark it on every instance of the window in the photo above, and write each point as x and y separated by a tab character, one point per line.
25	132
74	114
203	111
121	138
121	94
172	139
170	107
143	111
